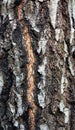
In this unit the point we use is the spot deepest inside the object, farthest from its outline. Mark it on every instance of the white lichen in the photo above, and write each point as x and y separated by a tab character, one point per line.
71	8
5	1
41	0
43	41
71	67
41	84
44	127
30	15
16	123
72	35
12	108
65	50
1	82
10	3
33	23
65	110
57	33
41	98
19	79
53	11
19	104
62	84
73	49
42	45
67	114
17	62
41	68
22	127
17	71
63	78
62	106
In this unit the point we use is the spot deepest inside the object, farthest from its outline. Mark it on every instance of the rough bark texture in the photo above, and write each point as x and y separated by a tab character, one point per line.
37	64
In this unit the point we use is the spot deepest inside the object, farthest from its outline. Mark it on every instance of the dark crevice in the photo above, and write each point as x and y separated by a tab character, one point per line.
8	79
72	118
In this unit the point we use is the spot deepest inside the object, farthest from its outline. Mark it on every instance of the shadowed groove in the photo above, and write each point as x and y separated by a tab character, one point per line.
30	65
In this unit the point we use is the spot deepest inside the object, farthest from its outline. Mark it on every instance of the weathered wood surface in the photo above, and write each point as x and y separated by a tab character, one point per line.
37	64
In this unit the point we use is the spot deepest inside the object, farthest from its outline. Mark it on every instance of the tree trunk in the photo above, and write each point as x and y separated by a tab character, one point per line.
37	64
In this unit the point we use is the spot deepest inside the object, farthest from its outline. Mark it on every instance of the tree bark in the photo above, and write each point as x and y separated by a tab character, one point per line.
37	65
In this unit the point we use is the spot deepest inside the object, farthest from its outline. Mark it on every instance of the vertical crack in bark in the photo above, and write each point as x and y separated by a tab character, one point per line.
30	65
31	84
